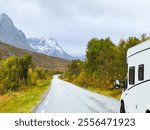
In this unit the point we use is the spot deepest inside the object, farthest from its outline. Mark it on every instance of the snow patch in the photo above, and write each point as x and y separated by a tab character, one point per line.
48	46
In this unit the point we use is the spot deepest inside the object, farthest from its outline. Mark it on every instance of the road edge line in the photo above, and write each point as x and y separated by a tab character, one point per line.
42	99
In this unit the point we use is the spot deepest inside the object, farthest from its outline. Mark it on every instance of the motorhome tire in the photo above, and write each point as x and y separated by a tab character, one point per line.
148	111
122	109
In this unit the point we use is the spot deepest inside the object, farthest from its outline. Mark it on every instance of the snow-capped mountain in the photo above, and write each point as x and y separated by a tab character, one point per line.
48	46
11	35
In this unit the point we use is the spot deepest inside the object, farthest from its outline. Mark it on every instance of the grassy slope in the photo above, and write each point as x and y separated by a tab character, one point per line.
23	101
40	60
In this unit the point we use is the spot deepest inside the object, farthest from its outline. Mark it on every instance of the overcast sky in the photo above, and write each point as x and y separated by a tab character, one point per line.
74	22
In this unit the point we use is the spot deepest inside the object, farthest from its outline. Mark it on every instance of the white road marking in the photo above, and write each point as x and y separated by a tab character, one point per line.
43	111
46	102
65	97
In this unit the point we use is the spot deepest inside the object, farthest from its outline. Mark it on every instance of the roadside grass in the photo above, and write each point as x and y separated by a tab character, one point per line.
115	93
23	101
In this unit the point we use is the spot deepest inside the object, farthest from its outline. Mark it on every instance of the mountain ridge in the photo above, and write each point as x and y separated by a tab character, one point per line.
48	46
9	34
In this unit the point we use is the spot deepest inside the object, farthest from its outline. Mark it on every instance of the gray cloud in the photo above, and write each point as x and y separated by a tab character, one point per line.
74	22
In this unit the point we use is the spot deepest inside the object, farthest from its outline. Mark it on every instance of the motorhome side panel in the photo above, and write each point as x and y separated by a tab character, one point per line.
138	91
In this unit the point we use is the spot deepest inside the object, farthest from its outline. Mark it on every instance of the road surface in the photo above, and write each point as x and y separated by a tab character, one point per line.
65	97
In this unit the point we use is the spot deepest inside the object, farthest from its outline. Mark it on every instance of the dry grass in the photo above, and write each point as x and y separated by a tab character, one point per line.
23	101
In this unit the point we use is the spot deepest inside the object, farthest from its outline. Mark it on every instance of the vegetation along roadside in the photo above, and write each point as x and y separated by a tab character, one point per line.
22	84
105	62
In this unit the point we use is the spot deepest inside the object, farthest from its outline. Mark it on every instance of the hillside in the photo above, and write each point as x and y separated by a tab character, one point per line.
39	60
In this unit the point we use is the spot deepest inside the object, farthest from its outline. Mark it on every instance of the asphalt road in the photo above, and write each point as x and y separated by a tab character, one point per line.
65	97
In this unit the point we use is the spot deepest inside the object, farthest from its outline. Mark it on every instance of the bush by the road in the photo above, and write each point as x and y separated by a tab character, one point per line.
19	72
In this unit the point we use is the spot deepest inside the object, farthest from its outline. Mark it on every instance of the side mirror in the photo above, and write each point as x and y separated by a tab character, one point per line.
117	84
125	86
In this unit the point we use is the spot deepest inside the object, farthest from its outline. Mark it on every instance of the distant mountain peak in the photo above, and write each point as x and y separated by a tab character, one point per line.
11	35
50	41
48	46
4	18
3	15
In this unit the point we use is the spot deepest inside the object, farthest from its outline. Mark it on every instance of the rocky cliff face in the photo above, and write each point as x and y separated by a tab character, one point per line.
11	35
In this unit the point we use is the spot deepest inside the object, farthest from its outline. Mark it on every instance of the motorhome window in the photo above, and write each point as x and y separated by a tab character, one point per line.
132	75
141	72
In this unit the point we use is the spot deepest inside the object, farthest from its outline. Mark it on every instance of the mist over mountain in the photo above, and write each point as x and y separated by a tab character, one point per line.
11	35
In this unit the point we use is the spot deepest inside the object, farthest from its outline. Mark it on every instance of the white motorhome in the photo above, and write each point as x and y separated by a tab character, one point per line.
136	94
